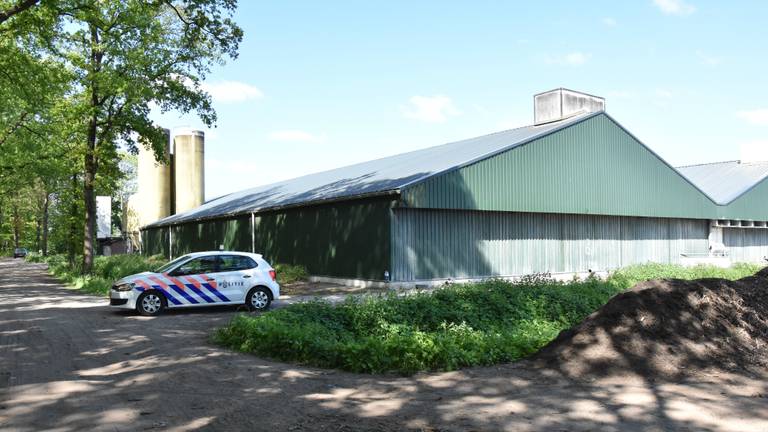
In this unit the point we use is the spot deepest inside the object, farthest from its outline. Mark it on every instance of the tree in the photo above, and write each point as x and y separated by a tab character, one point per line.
8	11
78	78
128	55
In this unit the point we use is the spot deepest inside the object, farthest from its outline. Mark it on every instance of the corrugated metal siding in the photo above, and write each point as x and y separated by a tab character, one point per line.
746	245
233	234
724	181
341	240
435	244
155	241
753	205
592	167
377	176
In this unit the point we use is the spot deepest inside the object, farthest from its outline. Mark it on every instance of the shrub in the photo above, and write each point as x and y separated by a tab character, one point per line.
457	326
106	270
288	274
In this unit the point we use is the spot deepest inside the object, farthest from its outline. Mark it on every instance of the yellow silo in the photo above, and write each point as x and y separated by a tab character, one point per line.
153	198
189	171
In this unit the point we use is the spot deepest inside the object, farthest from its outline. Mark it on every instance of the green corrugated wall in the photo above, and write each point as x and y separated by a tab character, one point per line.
231	234
753	205
349	239
155	241
592	167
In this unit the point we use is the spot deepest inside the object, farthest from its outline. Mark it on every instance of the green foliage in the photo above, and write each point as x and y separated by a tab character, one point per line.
288	273
629	276
461	325
78	80
106	270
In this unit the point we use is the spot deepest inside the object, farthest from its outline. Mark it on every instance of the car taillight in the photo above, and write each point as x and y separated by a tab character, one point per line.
273	275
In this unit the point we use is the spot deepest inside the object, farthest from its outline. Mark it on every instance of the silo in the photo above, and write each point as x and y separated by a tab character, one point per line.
189	171
153	199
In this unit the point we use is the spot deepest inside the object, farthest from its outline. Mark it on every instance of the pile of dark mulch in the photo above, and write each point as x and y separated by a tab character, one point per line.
670	329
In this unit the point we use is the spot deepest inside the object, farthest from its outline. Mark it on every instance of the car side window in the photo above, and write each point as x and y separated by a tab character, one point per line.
236	263
197	266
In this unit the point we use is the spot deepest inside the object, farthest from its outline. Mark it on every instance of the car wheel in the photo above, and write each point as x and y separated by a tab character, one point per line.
150	303
258	299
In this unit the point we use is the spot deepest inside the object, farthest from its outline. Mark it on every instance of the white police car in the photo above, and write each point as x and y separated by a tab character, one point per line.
199	279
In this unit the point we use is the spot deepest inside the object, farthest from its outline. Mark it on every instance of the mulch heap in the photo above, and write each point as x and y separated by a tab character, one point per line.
669	329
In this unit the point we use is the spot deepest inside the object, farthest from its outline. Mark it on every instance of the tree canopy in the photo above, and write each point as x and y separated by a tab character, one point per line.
80	78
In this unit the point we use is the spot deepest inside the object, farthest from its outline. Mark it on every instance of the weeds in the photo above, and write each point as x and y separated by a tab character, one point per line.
288	274
457	326
106	270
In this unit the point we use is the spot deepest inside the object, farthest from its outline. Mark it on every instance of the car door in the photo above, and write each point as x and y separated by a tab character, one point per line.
234	276
195	283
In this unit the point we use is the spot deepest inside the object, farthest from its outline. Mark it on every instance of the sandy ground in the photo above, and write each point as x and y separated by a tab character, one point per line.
69	363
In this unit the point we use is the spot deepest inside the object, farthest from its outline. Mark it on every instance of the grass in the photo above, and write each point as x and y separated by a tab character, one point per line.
106	270
461	325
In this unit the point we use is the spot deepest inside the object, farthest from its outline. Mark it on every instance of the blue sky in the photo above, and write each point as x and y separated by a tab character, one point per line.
320	85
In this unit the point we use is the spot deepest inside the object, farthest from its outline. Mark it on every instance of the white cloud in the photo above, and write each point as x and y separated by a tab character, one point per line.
675	7
708	59
754	151
431	109
231	91
610	22
294	136
663	93
576	58
757	116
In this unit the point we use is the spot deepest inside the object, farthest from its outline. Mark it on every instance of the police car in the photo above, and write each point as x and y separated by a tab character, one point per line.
199	279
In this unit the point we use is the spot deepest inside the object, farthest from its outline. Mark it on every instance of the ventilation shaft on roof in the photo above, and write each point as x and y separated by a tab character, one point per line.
562	103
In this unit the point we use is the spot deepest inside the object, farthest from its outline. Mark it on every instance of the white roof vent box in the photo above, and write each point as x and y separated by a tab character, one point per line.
559	104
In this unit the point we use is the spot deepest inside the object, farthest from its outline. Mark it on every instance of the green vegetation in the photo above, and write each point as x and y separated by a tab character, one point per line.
627	277
457	326
77	84
288	274
106	270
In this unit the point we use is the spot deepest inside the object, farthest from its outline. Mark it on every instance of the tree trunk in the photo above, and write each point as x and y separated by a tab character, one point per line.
16	9
16	226
73	216
44	246
38	227
90	204
91	166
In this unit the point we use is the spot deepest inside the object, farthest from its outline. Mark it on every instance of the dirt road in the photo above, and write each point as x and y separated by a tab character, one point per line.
68	363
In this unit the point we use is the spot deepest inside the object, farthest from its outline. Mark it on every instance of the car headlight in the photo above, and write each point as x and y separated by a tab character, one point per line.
123	287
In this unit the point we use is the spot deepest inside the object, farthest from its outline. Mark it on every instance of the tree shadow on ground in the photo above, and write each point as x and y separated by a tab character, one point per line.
69	363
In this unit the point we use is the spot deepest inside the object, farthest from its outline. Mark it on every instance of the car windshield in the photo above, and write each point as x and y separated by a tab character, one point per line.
20	250
172	264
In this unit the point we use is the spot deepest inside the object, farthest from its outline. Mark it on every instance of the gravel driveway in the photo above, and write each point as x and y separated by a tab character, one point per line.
69	363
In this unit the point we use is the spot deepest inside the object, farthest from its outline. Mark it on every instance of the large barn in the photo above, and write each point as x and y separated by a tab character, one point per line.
572	193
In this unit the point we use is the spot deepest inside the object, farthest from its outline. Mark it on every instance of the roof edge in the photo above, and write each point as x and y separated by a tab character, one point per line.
556	130
569	122
161	224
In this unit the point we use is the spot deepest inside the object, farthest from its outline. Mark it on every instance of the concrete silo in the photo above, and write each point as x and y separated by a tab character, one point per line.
189	170
153	199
